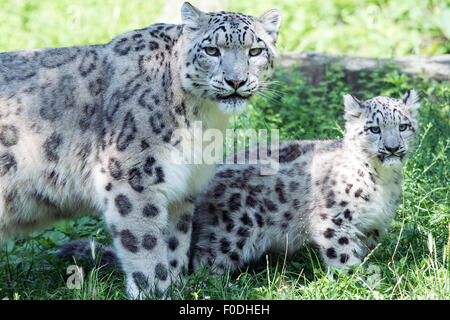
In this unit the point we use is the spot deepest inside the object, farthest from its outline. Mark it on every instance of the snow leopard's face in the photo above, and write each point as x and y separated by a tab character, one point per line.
229	55
382	127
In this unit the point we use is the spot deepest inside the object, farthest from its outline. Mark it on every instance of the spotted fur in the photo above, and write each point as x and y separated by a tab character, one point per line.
90	128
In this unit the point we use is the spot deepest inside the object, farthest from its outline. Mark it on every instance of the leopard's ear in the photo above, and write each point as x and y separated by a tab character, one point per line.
271	21
411	100
353	107
191	16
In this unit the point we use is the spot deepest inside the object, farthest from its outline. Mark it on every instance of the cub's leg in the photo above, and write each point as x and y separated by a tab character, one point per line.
179	236
225	240
341	245
138	222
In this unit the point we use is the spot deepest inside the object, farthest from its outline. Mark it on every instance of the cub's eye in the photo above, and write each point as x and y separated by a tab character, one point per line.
403	127
212	51
255	52
375	130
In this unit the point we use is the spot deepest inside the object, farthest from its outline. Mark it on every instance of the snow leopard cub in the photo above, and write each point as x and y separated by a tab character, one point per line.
338	195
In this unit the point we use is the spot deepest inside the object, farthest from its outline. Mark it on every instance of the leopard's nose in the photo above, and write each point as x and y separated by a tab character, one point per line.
235	84
392	149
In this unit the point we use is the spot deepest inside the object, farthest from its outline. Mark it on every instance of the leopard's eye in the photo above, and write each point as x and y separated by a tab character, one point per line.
255	52
212	51
375	130
402	127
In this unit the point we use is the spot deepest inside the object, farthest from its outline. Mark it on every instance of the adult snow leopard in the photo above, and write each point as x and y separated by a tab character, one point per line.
338	195
90	128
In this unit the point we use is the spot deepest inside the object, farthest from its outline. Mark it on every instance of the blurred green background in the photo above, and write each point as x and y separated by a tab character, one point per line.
375	28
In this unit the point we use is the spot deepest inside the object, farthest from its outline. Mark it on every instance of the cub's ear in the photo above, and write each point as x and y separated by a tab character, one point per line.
271	21
411	100
353	107
191	16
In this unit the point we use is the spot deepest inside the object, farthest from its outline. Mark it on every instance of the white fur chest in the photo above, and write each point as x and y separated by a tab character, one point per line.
189	169
379	212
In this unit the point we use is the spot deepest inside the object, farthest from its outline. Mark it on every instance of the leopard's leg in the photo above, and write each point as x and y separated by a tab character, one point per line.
179	237
138	222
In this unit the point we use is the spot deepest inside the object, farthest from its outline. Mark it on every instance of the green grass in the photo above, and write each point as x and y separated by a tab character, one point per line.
385	28
413	260
378	28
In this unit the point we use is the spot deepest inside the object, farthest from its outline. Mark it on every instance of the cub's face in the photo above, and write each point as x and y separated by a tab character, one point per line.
382	127
229	55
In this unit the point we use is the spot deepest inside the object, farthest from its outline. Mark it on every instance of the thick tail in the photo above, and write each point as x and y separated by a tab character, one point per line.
89	250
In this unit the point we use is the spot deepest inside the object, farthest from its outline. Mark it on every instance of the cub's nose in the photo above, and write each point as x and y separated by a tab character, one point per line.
236	84
392	149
